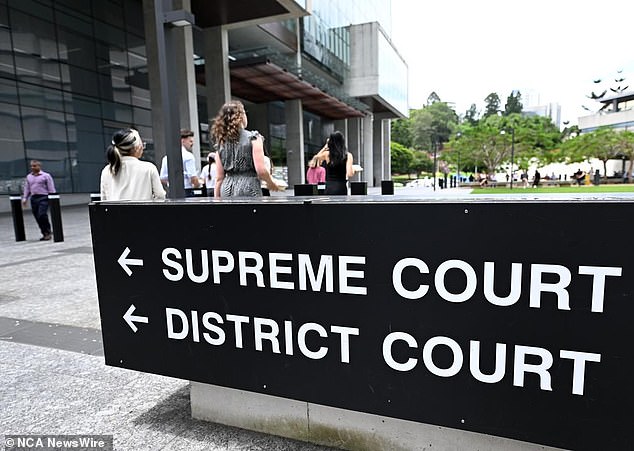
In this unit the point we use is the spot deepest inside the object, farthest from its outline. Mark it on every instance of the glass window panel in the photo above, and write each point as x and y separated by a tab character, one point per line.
35	8
6	54
81	81
82	6
118	57
109	34
110	12
37	70
133	8
4	17
13	165
142	116
117	112
40	97
136	60
78	104
76	49
74	23
8	91
141	97
33	36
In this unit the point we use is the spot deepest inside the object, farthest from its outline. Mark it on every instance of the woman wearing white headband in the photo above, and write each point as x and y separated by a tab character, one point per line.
126	177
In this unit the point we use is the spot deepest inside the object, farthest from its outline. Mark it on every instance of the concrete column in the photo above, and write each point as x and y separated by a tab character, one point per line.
354	144
259	120
367	149
342	126
217	76
294	142
156	102
186	79
387	160
377	150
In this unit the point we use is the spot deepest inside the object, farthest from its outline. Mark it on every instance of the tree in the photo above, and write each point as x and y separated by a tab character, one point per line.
434	124
401	131
432	98
401	158
626	149
492	106
471	115
422	162
513	103
603	144
483	145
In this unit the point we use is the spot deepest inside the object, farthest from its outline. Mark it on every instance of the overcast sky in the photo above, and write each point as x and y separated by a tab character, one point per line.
549	50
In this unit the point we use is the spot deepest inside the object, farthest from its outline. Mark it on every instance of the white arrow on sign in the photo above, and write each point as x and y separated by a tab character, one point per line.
125	262
130	318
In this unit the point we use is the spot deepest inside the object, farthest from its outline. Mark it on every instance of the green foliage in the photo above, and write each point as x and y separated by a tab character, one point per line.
433	98
513	103
401	158
492	106
471	115
603	144
433	125
485	146
422	162
401	131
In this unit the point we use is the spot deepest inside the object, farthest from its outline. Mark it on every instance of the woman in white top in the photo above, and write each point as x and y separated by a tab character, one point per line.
208	174
126	177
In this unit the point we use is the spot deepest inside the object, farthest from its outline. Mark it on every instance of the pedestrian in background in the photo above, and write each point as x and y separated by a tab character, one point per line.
338	164
190	175
240	163
208	174
126	177
37	186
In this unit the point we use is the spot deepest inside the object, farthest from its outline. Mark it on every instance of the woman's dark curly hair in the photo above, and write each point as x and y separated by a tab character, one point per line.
228	123
337	152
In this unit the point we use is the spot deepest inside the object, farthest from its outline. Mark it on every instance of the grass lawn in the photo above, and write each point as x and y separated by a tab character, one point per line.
620	188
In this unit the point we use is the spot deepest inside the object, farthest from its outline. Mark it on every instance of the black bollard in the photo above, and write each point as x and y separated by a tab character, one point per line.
387	187
18	218
358	188
56	217
305	189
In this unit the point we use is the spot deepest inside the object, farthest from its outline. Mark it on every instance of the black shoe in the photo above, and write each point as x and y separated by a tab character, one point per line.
46	237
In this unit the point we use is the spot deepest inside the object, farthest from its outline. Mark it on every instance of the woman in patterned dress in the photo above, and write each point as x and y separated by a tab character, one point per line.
240	164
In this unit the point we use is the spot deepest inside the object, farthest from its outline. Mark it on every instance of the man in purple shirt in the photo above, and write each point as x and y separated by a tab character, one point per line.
38	186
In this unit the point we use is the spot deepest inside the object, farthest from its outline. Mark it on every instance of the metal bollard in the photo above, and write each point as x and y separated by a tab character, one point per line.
387	187
358	188
56	217
18	218
305	189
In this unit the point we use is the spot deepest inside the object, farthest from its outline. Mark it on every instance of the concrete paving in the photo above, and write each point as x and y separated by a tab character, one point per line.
54	380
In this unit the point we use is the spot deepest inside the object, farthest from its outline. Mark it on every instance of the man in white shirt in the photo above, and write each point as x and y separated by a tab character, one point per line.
190	177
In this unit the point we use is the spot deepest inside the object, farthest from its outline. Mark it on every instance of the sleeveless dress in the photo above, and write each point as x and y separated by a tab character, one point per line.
241	179
336	180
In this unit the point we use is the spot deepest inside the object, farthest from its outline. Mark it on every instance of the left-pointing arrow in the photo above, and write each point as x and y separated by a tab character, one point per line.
130	318
125	262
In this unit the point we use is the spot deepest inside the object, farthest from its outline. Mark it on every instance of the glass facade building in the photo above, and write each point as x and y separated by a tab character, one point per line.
74	71
71	73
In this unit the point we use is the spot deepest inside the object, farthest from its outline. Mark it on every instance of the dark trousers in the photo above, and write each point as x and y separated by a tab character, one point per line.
39	207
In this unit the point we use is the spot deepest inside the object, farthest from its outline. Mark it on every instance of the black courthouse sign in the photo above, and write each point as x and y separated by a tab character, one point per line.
510	318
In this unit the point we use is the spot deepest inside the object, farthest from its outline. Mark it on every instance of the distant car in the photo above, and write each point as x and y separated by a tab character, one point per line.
426	182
